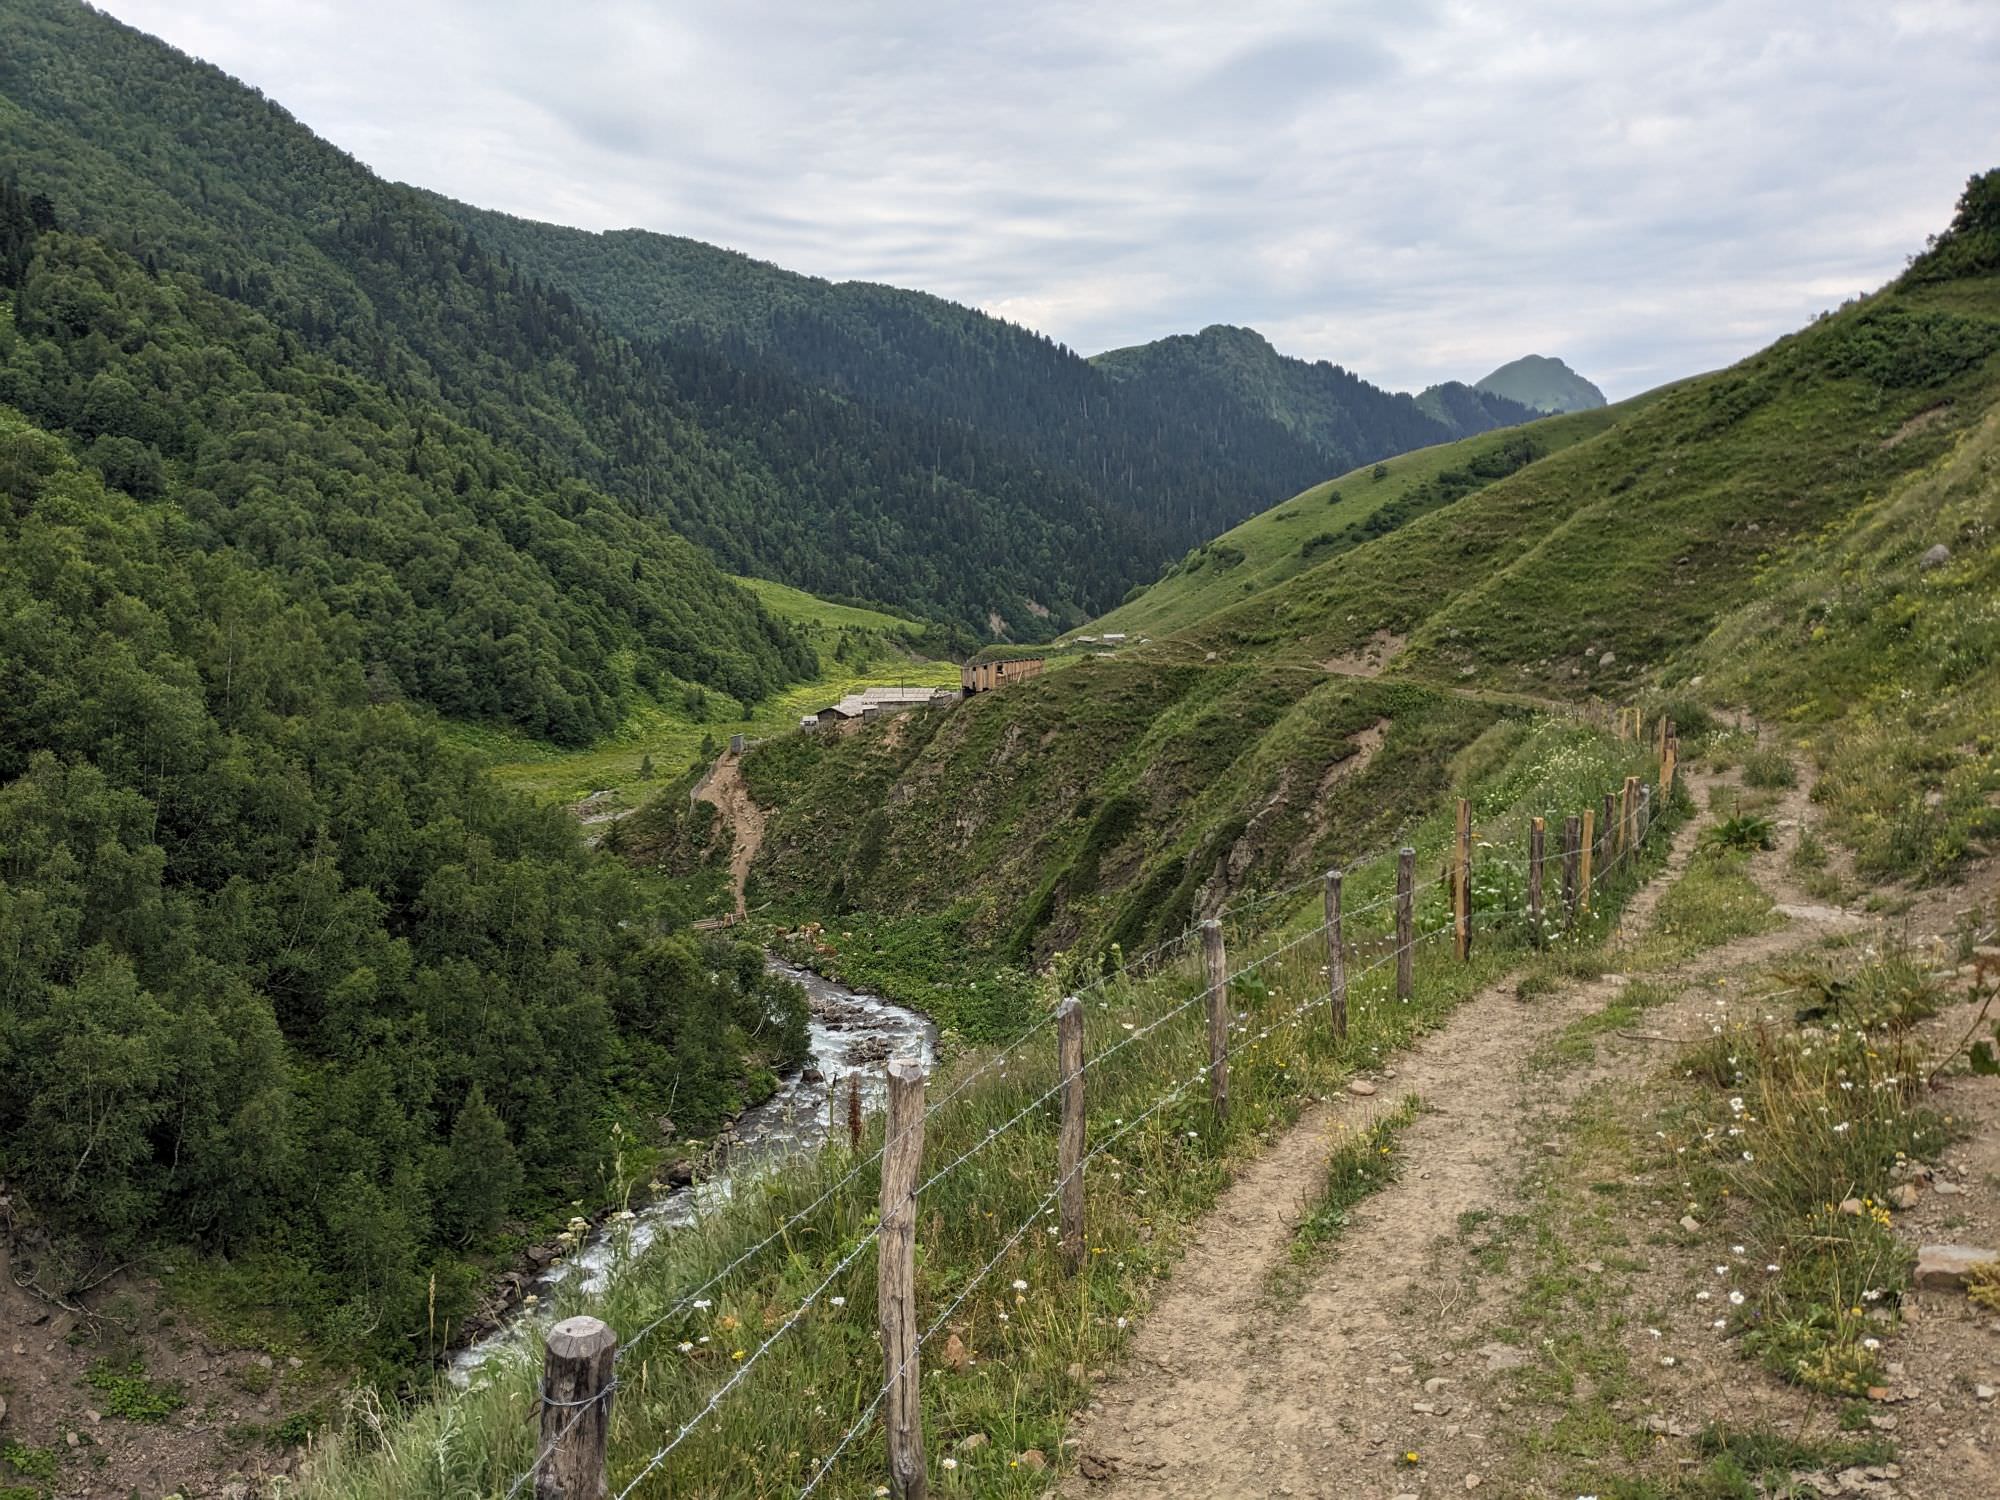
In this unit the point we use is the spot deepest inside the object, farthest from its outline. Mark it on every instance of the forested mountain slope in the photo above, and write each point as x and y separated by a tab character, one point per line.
283	978
191	171
1342	417
1188	435
1786	505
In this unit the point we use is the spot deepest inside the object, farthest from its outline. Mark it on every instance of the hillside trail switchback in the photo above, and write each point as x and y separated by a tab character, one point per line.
1233	1389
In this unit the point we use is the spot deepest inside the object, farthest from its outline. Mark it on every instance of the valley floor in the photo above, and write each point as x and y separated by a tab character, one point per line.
1524	1311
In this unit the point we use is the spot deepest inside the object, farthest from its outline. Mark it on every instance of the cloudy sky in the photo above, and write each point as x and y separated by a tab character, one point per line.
1415	190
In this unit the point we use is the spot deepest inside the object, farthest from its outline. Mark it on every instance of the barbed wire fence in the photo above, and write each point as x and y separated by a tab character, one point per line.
568	1423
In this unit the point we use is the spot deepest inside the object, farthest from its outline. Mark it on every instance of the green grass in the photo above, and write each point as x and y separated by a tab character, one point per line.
1786	1127
1272	546
672	738
1714	902
802	608
130	1393
38	1464
1359	1163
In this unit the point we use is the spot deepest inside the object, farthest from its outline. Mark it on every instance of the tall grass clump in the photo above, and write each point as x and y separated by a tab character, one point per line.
1800	1138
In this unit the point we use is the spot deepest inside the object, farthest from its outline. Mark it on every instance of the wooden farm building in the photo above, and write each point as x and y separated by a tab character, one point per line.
985	676
873	702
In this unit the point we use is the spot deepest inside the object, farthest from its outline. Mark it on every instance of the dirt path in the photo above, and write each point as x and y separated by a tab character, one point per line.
1228	1394
1530	1249
732	799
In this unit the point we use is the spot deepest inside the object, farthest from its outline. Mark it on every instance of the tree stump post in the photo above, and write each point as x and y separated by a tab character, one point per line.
1537	837
1336	958
896	1278
1572	860
1069	1148
578	1356
1588	841
1216	960
1461	883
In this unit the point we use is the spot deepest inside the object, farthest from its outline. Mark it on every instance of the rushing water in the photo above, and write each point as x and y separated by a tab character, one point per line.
850	1034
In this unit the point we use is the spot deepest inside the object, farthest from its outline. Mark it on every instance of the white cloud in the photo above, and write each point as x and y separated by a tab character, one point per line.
1415	191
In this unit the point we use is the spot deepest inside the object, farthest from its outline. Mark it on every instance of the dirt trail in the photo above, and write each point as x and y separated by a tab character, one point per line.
1399	1344
732	799
1226	1395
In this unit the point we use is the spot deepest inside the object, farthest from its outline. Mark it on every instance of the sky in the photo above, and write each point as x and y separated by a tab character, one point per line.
1418	191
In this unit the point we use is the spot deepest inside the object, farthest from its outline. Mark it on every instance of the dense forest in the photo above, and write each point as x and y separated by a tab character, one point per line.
282	975
1189	434
192	172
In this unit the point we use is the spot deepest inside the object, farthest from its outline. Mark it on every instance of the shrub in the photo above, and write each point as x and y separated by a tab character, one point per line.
1769	770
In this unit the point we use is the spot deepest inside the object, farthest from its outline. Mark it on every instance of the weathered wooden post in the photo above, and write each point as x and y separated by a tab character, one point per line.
1537	838
1607	835
1645	812
1069	1145
1628	817
1406	926
1589	842
578	1355
1216	960
854	1110
1336	958
1572	859
1461	883
896	1277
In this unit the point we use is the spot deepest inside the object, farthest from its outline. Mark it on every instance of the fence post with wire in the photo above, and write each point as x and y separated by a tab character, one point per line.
582	1354
578	1358
896	1278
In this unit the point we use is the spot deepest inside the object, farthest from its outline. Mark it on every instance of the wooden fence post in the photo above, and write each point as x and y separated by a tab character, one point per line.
1537	848
854	1110
896	1277
1406	926
1217	961
1628	817
1589	842
1336	958
1069	1145
1461	883
1572	858
578	1355
1607	834
1645	813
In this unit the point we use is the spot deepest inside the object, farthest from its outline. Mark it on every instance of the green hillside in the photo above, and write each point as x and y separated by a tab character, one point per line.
1339	414
1185	436
1284	717
192	172
1543	384
1310	527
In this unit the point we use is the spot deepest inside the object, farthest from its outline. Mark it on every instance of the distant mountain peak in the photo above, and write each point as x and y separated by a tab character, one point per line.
1544	383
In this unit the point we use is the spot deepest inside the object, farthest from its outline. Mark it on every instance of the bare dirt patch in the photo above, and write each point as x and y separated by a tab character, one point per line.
1382	648
1916	424
220	1442
732	799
